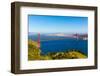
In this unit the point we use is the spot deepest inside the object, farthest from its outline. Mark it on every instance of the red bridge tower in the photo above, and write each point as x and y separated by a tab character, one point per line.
38	40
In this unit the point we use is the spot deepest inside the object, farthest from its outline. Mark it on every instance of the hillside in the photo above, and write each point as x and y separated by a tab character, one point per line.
34	53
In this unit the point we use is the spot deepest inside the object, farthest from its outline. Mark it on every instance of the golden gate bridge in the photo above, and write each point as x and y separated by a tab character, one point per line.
77	36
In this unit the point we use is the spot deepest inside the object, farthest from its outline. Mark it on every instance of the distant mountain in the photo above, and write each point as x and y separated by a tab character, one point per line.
58	35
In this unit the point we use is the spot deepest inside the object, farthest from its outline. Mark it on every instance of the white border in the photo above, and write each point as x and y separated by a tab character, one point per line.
25	64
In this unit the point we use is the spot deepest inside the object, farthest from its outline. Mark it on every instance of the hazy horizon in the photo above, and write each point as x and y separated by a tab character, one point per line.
57	32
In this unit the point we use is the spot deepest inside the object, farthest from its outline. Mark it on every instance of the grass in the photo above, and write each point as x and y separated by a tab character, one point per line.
34	53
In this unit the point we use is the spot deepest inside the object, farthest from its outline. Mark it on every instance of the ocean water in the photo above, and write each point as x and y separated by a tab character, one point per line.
57	44
64	45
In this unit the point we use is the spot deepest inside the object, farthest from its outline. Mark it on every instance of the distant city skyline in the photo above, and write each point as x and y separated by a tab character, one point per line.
57	24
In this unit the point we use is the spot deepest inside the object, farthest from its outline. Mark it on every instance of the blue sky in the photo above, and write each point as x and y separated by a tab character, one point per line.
57	24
